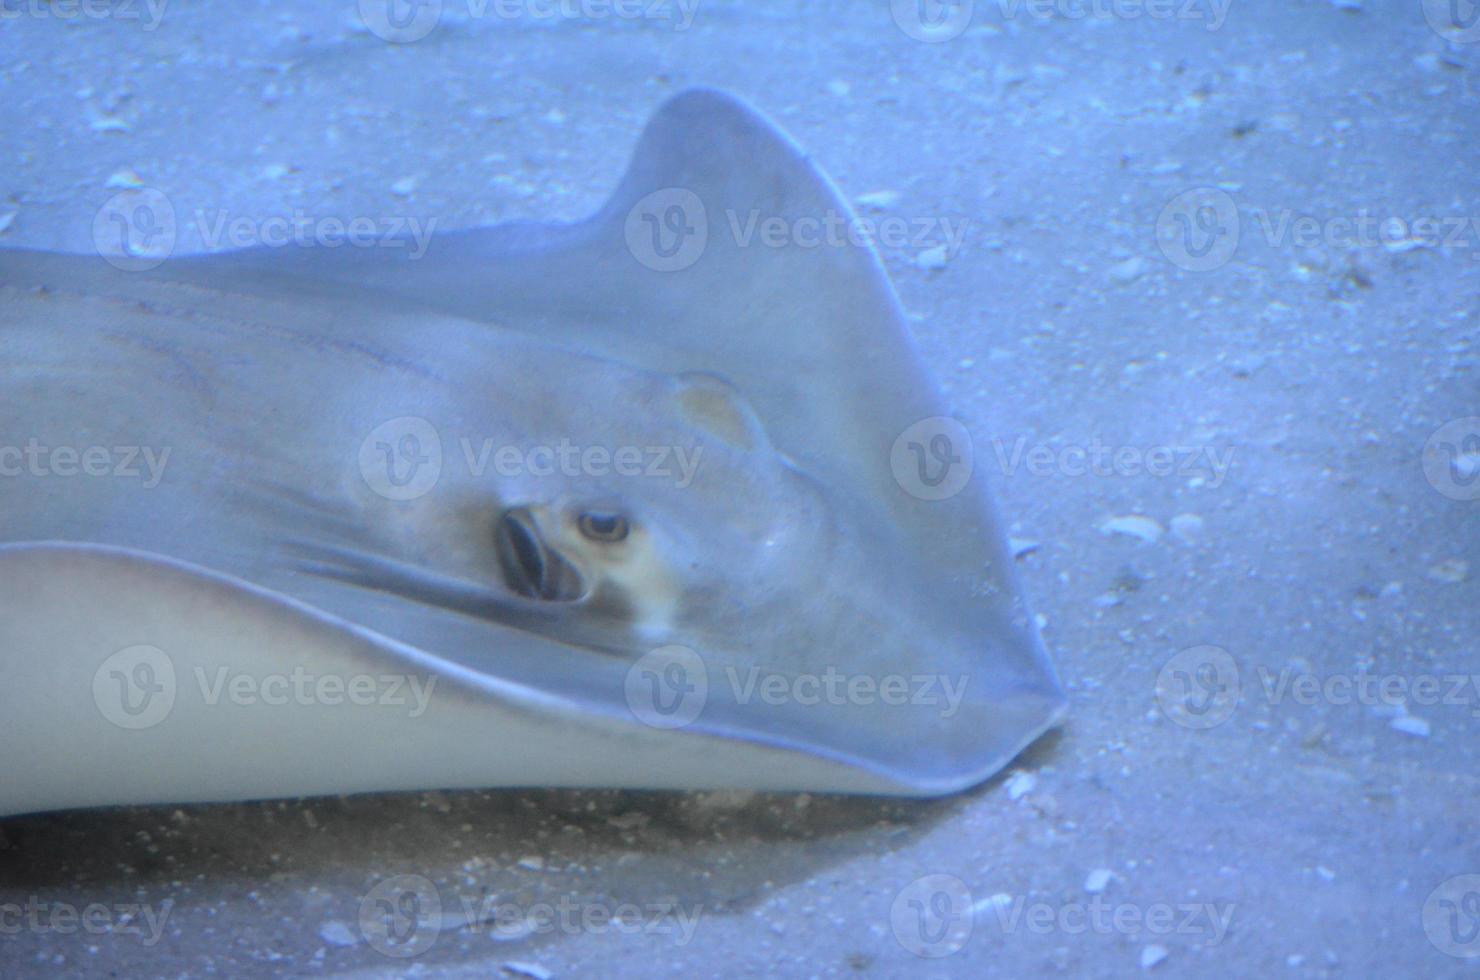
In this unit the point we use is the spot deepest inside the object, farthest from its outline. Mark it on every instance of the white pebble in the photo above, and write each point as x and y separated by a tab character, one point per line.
1188	527
1019	784
879	200
404	186
1098	880
6	219
839	88
523	969
337	933
1450	571
109	126
1127	272
1411	725
126	179
1152	955
1133	525
932	258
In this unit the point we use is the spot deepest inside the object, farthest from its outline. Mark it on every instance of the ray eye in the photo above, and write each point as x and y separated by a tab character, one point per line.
603	527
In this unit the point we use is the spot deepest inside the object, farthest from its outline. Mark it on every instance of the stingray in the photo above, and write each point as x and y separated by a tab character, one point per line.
638	501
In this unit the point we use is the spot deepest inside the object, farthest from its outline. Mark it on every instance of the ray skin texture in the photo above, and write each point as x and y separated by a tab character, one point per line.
638	501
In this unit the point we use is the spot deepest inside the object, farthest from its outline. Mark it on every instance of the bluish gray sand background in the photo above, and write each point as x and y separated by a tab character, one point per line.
1303	835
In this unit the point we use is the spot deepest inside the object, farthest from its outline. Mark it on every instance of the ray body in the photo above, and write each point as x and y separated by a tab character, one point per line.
511	470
